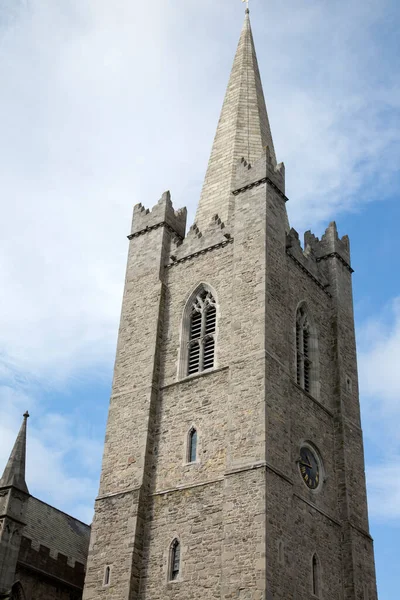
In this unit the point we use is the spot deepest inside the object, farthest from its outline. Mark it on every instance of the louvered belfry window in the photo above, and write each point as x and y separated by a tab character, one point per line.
303	355
203	322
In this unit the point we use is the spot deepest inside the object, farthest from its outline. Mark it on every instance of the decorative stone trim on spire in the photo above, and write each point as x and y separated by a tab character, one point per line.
14	473
243	132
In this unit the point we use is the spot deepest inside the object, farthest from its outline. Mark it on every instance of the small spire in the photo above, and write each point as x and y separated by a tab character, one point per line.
14	473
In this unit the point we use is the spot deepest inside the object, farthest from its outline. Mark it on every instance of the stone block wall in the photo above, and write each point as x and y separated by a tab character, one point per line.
44	577
247	523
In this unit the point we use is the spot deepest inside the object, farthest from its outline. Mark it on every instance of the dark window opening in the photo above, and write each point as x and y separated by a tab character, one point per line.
175	560
192	449
315	576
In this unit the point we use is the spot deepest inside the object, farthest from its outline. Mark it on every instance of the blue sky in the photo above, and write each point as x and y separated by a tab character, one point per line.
104	105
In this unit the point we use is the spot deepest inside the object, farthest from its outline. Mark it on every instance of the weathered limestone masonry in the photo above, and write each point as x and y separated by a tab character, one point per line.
126	475
249	527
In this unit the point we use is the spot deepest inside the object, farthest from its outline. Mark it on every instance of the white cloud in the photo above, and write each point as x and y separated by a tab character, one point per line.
384	491
105	106
108	104
53	443
379	359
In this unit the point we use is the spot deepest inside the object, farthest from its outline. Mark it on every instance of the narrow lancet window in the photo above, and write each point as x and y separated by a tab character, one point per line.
315	576
175	560
192	446
203	323
281	552
107	574
306	353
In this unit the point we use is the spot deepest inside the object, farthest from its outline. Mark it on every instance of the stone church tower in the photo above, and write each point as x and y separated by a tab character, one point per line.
233	464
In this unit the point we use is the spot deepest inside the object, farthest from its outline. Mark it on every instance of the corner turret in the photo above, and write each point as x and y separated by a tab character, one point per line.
331	246
162	214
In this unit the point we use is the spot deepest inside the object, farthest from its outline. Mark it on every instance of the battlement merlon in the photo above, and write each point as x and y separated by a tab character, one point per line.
330	245
263	167
162	213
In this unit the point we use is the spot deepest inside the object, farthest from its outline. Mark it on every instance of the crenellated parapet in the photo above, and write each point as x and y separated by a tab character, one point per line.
214	236
306	259
57	566
312	259
332	246
162	214
264	170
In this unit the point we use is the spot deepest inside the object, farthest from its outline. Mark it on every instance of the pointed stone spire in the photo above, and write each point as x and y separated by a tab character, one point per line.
14	473
243	131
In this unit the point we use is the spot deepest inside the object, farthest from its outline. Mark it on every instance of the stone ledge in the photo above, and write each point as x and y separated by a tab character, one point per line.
364	533
152	227
115	494
194	376
309	274
47	575
258	183
349	422
245	468
322	512
279	473
340	259
187	486
317	402
199	253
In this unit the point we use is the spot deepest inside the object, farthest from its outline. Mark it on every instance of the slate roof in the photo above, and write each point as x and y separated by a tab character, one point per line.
54	529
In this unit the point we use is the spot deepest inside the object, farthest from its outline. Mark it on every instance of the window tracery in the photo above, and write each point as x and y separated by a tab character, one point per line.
203	322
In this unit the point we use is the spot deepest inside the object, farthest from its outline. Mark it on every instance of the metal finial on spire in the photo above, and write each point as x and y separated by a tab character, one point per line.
247	6
26	415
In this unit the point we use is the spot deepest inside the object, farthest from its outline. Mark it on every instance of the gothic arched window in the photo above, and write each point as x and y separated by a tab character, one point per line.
174	560
192	446
307	368
17	592
202	329
316	576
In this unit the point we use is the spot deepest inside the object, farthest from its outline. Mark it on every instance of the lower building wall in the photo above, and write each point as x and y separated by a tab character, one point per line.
39	587
44	577
194	516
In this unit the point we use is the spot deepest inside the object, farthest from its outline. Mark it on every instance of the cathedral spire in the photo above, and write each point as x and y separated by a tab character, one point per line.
243	131
14	473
